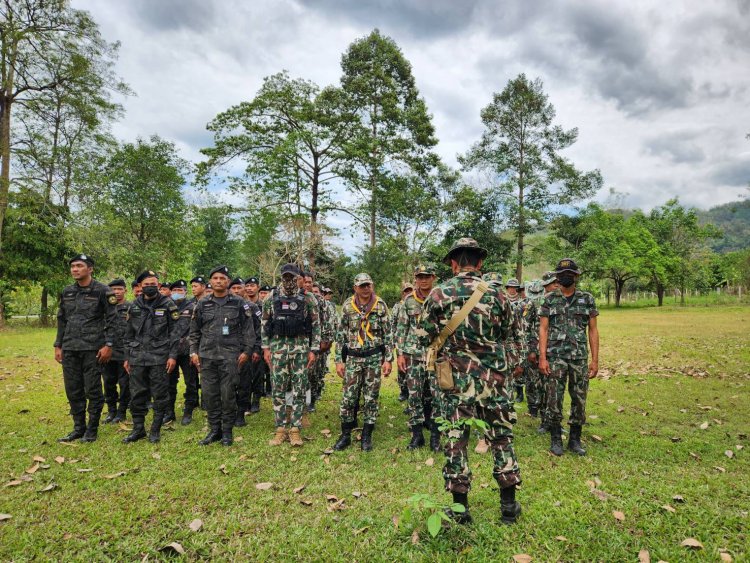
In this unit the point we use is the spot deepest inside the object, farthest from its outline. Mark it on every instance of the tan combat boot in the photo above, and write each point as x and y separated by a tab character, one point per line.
278	438
305	420
295	438
482	446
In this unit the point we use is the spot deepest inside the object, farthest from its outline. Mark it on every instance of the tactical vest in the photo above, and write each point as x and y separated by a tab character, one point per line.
289	317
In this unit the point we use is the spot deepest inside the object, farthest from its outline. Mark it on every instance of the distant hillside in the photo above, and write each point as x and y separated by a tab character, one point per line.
734	220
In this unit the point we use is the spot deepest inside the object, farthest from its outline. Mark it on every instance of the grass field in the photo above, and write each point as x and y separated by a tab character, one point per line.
667	440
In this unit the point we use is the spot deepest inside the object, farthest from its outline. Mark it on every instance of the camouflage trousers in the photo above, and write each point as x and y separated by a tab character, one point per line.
535	391
288	373
420	391
363	377
481	394
318	374
574	373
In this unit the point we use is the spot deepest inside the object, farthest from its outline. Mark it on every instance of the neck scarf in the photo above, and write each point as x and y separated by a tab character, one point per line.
419	299
364	318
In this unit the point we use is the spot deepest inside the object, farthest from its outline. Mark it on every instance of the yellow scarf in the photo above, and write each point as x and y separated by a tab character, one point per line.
364	319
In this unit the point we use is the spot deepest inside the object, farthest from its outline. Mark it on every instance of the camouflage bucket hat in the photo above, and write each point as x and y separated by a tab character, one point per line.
362	279
465	242
494	278
424	269
548	278
567	265
512	282
406	285
535	287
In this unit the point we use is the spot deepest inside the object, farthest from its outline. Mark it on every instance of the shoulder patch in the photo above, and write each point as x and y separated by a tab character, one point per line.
112	299
175	314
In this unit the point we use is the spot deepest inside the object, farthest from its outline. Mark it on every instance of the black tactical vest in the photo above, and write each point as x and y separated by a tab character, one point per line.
289	316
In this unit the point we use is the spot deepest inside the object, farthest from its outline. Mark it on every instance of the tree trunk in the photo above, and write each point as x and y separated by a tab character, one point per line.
660	293
619	285
44	317
4	160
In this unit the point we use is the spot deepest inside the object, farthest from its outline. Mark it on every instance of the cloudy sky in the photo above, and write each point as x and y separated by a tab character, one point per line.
660	92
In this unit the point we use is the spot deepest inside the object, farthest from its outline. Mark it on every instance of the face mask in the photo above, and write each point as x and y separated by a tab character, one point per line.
289	285
566	280
150	291
178	296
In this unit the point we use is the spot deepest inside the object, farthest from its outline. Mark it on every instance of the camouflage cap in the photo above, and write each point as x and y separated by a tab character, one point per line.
424	269
548	278
512	282
406	285
362	279
535	287
567	265
494	278
465	242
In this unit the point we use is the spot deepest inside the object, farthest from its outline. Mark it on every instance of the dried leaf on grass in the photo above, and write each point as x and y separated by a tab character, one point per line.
38	458
4	517
48	488
619	516
33	469
223	469
678	498
561	538
429	462
704	425
692	543
644	556
522	558
263	486
172	548
305	502
299	489
14	483
415	537
196	524
596	438
669	508
729	454
115	475
60	459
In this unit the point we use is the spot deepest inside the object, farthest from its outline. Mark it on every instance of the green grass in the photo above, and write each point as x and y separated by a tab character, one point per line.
666	372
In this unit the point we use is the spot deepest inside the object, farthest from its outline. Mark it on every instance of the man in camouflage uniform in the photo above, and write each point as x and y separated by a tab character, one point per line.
549	284
151	355
530	316
291	328
114	373
513	291
363	351
411	360
222	339
566	315
477	357
406	290
85	337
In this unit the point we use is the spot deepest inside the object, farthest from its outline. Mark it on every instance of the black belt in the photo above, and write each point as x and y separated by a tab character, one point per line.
365	353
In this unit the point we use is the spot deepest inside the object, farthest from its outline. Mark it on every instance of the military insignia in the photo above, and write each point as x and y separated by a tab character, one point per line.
293	305
246	306
159	312
175	315
112	299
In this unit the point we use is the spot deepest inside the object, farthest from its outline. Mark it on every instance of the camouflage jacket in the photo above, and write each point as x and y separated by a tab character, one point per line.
86	317
568	324
407	325
378	332
208	336
530	317
152	336
303	343
479	343
331	321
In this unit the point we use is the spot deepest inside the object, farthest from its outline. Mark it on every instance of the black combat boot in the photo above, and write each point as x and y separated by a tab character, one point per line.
187	417
519	393
120	416
543	428
79	429
417	438
255	404
138	432
111	414
92	430
367	437
345	440
226	438
154	435
403	394
533	411
311	406
460	517
240	420
169	416
510	508
574	440
434	437
556	446
214	435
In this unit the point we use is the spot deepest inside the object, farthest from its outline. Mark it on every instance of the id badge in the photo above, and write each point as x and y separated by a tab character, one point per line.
225	330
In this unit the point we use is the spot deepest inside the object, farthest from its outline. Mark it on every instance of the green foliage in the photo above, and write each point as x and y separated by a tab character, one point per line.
733	220
421	504
462	424
520	148
216	223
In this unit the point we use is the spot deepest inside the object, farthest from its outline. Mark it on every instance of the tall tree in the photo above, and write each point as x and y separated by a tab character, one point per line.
289	137
216	222
521	148
394	132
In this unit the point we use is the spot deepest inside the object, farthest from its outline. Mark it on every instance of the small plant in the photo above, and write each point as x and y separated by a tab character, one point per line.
446	425
435	512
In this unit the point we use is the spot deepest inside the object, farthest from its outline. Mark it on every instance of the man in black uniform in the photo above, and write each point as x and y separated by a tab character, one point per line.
244	385
198	287
114	372
189	374
258	366
151	355
85	337
222	339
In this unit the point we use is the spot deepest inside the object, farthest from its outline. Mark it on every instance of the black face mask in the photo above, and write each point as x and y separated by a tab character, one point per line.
150	291
566	280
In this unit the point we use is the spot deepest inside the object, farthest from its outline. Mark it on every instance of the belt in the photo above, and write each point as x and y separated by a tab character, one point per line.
366	353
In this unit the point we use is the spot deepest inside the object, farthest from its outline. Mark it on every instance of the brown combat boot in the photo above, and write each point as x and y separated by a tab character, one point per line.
295	438
278	438
305	420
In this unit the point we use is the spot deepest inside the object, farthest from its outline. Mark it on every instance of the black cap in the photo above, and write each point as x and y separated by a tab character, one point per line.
198	279
208	285
236	281
133	283
290	269
164	283
220	270
567	265
266	288
82	258
117	282
147	274
178	284
256	281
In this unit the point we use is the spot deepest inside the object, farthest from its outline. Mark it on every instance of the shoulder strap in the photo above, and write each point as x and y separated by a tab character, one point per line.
459	317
